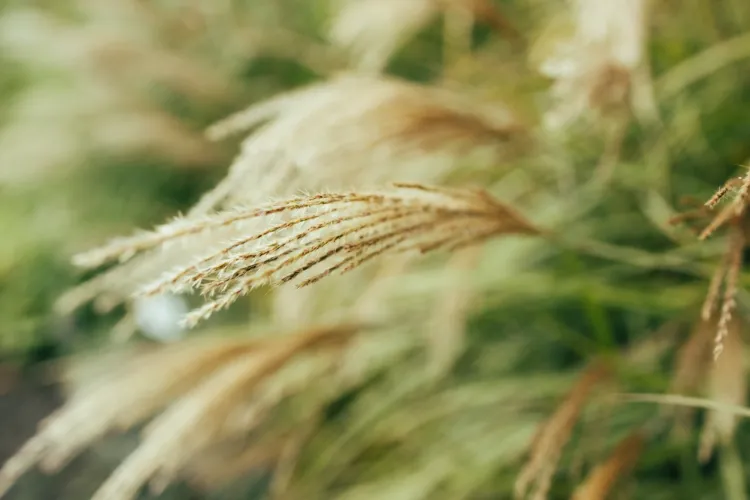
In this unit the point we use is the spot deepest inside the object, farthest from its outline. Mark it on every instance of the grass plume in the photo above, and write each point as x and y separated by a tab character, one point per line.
354	130
319	235
197	393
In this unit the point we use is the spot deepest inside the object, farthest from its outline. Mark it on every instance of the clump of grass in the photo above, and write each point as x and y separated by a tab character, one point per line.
305	405
199	396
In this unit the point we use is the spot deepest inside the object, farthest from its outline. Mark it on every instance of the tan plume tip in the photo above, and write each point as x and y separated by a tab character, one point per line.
601	480
720	193
732	268
741	187
554	434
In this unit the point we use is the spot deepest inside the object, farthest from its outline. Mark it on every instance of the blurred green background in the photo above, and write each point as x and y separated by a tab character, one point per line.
103	107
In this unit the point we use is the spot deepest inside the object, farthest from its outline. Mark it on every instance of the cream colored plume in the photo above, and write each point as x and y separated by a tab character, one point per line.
200	395
592	62
356	131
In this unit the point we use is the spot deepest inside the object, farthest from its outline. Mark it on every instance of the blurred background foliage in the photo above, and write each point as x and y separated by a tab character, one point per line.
104	103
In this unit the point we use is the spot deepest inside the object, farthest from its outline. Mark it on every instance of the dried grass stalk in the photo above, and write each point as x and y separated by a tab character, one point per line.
552	436
728	273
733	268
691	364
319	235
727	385
105	104
602	479
691	360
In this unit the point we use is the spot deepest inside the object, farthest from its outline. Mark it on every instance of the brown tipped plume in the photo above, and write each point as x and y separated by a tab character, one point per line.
554	434
201	394
603	478
355	130
318	235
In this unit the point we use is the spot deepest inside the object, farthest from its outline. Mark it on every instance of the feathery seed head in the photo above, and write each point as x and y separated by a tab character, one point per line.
352	131
349	131
319	235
